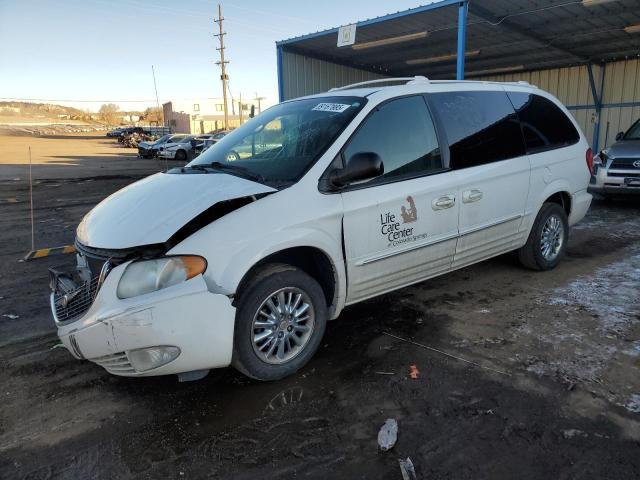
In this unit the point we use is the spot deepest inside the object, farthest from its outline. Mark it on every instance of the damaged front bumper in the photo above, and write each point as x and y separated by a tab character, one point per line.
183	328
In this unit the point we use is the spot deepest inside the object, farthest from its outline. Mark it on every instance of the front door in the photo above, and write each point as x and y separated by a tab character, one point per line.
402	227
487	151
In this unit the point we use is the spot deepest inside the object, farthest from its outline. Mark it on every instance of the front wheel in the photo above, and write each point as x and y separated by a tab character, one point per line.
547	241
181	155
280	321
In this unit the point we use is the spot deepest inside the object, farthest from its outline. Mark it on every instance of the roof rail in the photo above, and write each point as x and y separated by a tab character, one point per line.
405	80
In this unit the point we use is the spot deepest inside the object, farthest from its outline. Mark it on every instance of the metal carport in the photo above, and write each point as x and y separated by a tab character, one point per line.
566	47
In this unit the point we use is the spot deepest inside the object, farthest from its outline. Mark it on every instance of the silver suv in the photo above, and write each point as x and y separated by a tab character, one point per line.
616	170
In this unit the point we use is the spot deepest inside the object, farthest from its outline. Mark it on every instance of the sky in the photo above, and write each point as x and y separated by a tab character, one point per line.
83	53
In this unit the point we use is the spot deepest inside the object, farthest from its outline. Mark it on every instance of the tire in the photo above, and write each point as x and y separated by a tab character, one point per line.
251	356
232	156
534	254
181	155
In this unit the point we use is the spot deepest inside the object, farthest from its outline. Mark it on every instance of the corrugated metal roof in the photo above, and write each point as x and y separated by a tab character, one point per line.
501	34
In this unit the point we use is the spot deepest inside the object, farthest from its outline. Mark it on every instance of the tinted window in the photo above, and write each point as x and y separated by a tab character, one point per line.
634	132
544	125
402	133
481	127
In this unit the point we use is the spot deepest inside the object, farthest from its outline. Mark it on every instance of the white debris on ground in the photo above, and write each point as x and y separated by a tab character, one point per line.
633	405
407	469
388	435
589	332
611	292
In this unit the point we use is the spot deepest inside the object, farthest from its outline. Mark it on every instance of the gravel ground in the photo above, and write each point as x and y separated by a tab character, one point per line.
553	391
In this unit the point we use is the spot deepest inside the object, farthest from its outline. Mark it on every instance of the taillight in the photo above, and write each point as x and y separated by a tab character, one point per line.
589	160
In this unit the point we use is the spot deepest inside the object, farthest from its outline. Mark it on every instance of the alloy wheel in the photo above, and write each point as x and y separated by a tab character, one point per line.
552	238
283	325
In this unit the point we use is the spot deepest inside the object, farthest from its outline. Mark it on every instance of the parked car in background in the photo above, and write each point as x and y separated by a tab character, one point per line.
243	255
218	135
180	150
616	170
116	132
207	141
202	146
128	131
151	149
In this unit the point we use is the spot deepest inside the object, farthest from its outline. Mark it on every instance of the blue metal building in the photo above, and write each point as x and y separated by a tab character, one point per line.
583	51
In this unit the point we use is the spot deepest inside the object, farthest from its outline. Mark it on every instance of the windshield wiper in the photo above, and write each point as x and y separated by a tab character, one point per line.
242	171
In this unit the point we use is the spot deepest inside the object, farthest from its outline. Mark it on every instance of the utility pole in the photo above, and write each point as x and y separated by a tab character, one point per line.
258	99
160	111
223	74
240	113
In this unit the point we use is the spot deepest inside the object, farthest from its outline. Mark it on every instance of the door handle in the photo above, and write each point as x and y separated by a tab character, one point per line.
470	196
445	201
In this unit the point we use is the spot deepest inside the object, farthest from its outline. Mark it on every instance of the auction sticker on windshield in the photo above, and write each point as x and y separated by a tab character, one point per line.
331	107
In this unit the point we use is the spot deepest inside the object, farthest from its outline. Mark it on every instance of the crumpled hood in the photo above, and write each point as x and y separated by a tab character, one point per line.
154	208
628	148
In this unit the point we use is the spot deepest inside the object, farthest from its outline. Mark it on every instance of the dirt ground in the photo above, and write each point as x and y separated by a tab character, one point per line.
70	157
554	391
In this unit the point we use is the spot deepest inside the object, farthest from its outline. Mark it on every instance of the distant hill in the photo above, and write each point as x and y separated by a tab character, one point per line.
41	110
27	111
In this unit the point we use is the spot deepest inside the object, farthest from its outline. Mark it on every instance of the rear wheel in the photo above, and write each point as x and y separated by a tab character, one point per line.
547	241
280	321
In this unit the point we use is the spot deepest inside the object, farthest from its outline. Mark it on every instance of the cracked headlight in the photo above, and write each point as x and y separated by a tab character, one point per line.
146	276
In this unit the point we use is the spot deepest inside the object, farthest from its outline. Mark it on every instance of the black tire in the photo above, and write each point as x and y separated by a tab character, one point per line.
181	155
531	255
264	283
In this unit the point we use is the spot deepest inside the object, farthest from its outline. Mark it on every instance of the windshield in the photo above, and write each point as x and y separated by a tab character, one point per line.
283	142
163	139
634	132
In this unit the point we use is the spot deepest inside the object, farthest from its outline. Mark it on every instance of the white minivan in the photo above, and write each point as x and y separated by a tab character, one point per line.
243	255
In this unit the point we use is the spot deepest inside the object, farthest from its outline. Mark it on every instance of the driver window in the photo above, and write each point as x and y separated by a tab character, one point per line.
402	133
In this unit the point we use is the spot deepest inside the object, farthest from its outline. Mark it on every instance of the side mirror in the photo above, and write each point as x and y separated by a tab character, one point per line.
619	136
361	166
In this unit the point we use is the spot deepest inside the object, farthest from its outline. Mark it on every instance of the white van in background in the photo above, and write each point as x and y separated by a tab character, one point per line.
242	256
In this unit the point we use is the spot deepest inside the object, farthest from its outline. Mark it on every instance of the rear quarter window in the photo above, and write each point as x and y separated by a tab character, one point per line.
544	125
481	127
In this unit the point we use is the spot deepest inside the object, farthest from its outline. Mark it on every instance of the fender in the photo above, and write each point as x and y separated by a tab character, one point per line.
243	260
556	186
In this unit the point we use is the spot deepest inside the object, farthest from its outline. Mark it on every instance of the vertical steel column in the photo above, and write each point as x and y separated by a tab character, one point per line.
463	8
596	127
280	73
597	100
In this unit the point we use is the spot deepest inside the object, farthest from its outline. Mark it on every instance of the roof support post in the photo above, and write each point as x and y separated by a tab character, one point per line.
463	8
597	100
280	85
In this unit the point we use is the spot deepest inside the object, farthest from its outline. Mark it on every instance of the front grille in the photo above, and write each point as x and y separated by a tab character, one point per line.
625	174
74	303
623	163
118	363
